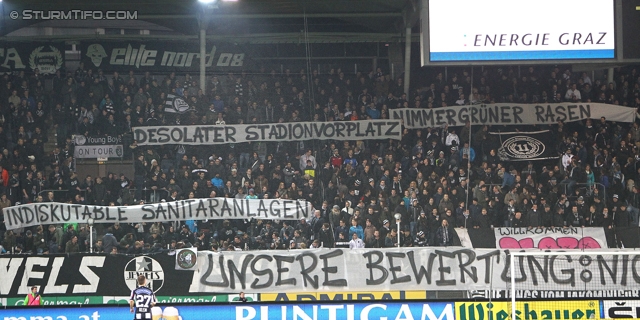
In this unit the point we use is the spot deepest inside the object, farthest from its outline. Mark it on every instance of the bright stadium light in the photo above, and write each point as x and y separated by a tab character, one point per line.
207	1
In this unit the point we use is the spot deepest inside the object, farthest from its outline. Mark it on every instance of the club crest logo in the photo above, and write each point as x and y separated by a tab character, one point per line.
80	140
48	62
521	147
146	266
186	259
176	104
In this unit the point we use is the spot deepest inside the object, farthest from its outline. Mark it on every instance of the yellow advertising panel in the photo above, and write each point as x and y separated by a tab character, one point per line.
344	296
526	310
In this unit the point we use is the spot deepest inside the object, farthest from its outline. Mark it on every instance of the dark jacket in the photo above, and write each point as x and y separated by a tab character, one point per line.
441	240
108	242
326	238
482	221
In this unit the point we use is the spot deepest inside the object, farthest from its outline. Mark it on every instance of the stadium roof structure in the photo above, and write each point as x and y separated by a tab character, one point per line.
248	21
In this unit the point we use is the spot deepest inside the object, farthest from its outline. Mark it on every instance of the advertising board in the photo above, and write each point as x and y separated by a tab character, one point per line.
345	296
616	309
505	30
559	309
124	300
329	311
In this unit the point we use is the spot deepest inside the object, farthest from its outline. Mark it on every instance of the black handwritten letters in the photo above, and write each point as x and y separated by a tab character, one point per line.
192	209
510	114
410	269
292	131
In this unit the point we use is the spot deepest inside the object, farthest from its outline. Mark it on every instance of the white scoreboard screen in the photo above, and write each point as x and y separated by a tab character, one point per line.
516	30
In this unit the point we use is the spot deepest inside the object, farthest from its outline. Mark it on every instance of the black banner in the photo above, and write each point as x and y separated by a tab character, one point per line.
176	104
106	275
165	56
47	57
630	26
526	146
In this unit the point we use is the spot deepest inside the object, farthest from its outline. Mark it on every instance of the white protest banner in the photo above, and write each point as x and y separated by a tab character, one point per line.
330	274
511	114
550	238
272	132
320	270
33	214
390	269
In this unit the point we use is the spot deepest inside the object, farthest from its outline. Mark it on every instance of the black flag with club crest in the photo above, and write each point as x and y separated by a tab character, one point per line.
526	146
176	104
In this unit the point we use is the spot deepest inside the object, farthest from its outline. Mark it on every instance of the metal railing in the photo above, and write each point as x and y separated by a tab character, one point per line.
153	196
61	194
588	187
148	194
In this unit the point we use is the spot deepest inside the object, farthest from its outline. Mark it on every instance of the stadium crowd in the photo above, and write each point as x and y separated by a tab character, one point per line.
437	179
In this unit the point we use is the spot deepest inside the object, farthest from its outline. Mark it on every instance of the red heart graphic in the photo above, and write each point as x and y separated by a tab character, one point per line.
511	243
548	243
568	243
588	243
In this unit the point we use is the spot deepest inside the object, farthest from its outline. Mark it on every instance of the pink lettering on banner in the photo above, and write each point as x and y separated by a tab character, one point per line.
550	238
550	243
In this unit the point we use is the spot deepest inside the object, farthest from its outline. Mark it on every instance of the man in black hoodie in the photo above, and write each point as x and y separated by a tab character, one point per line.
109	240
